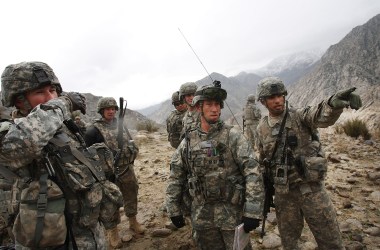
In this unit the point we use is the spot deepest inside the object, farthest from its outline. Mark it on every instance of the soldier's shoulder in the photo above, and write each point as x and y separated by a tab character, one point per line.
5	125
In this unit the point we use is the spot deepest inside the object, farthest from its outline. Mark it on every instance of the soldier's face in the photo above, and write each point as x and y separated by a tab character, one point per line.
180	106
275	104
189	99
211	110
39	96
109	113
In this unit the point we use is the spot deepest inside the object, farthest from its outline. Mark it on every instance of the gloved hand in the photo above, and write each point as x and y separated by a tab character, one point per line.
178	221
250	224
77	100
346	98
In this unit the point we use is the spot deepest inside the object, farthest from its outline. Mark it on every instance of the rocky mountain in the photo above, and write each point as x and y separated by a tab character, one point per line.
353	62
291	67
237	87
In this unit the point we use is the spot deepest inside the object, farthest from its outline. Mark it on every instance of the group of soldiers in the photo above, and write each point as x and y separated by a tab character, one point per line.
61	187
215	164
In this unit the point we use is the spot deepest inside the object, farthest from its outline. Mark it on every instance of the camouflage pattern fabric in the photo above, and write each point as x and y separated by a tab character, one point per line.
190	120
24	141
228	159
216	239
174	127
304	199
127	182
252	116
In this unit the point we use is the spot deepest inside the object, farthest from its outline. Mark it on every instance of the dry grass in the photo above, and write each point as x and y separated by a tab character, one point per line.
356	128
149	126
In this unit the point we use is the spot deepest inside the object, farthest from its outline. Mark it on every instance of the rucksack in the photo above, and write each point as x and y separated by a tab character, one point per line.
41	220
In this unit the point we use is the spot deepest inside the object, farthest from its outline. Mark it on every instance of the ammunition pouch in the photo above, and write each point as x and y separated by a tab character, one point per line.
235	190
195	191
212	188
281	180
311	169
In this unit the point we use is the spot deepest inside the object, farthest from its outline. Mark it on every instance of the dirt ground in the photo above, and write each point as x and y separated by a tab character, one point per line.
353	182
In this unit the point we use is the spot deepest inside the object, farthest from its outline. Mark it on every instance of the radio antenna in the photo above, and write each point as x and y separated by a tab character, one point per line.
212	80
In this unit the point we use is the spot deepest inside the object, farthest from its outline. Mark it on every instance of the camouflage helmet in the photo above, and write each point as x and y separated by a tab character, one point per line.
106	102
270	86
19	78
175	97
251	98
210	92
188	88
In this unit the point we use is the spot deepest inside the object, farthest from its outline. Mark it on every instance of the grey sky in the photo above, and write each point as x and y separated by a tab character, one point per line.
134	49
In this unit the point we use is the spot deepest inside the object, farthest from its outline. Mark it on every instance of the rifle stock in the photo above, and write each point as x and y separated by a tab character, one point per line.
268	199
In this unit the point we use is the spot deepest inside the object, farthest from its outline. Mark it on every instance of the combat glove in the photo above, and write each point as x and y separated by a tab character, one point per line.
346	98
250	224
178	221
77	101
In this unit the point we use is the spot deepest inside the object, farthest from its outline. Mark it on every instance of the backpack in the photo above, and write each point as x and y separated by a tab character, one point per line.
41	220
72	174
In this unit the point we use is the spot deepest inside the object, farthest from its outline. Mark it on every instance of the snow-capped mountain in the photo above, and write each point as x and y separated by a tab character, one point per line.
290	67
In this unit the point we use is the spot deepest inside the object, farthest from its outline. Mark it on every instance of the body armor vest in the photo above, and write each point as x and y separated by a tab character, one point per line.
174	127
213	176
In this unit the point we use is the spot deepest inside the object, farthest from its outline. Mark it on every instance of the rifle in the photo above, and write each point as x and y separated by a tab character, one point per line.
268	184
268	192
120	138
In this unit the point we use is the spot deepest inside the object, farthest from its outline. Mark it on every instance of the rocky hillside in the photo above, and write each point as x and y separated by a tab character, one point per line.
353	62
352	182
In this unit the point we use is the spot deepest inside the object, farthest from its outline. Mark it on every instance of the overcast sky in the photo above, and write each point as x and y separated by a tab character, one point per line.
134	48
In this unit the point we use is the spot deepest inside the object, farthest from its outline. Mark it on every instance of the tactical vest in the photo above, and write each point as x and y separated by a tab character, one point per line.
174	127
109	133
212	174
300	161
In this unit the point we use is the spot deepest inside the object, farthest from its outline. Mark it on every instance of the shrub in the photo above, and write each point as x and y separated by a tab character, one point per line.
356	128
149	126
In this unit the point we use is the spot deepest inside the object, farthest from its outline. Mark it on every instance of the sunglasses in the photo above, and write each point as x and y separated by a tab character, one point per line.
177	103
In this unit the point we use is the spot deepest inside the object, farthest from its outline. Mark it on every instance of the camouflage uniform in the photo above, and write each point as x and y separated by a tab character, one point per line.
174	127
223	180
174	121
24	144
191	118
102	131
189	121
297	170
251	118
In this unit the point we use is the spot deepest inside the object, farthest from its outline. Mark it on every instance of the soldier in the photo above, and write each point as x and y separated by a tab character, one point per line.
106	130
292	157
251	118
41	152
186	94
174	120
216	162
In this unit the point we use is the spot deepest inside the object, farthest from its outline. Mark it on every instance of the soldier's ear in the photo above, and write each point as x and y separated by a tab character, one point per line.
263	102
